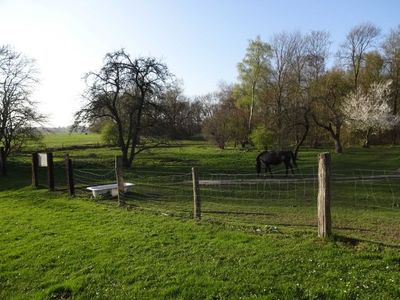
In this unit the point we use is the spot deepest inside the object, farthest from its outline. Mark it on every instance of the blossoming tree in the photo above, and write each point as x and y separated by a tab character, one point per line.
369	111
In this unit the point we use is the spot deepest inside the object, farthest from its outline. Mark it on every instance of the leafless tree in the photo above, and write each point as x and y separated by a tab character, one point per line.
298	61
391	50
283	47
181	117
330	92
125	91
227	121
18	113
318	44
358	41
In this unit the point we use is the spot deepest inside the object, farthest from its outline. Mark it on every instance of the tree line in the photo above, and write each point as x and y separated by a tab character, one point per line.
290	91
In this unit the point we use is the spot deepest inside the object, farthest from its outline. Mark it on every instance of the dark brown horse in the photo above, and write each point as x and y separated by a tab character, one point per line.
268	158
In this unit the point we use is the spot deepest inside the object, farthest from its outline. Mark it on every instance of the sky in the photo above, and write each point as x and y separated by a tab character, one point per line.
201	41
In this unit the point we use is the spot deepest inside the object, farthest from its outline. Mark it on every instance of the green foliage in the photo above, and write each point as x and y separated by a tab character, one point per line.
253	71
242	96
373	69
256	62
109	133
261	137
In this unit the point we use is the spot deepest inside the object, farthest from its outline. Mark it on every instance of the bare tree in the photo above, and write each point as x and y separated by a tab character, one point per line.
318	44
227	121
391	50
125	91
310	54
283	47
329	92
18	113
359	40
181	117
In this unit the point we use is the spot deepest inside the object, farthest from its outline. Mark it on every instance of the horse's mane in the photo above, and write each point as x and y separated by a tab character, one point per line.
262	153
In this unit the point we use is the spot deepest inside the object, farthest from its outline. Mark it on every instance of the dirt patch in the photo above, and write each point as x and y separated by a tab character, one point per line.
61	294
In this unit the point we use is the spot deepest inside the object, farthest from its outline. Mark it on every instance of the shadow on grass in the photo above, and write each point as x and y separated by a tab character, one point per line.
353	241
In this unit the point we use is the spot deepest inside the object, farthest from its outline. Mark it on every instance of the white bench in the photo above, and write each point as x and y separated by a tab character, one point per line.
108	188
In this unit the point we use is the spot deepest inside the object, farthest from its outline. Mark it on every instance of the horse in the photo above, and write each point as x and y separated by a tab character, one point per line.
268	158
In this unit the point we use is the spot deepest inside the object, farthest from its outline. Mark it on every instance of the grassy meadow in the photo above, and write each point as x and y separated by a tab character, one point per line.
257	237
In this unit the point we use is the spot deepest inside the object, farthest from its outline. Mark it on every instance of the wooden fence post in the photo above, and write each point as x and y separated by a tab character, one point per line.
196	195
35	170
120	180
70	175
50	171
324	195
3	161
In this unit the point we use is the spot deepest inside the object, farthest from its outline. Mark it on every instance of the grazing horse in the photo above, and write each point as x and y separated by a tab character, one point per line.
268	158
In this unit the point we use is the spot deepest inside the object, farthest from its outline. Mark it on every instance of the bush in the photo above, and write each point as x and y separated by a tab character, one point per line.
261	137
215	129
109	133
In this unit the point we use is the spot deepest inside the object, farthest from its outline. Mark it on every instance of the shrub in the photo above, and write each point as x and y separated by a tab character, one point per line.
261	137
109	133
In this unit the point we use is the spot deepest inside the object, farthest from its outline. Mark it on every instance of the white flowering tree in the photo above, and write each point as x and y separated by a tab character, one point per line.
369	111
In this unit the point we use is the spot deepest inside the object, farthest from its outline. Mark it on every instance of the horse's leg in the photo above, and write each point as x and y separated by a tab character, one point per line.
262	167
291	167
287	165
269	169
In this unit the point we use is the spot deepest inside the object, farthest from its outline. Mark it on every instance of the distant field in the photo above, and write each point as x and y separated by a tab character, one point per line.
59	140
255	240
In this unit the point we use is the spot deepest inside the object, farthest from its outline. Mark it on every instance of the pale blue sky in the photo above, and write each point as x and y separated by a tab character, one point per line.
200	41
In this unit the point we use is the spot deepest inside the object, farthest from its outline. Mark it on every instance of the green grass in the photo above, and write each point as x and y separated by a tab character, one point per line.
253	241
50	244
63	140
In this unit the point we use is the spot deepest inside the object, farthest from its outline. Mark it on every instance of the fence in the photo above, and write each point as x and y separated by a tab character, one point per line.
365	203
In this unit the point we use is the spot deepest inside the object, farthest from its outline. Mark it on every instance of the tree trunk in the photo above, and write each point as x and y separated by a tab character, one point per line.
394	136
125	159
367	138
304	136
136	132
338	145
394	130
366	143
335	133
300	143
249	125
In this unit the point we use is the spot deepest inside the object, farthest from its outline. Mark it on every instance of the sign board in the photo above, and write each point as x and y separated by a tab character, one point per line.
42	159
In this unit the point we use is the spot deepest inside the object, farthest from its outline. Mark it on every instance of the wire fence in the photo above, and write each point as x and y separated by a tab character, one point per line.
365	202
